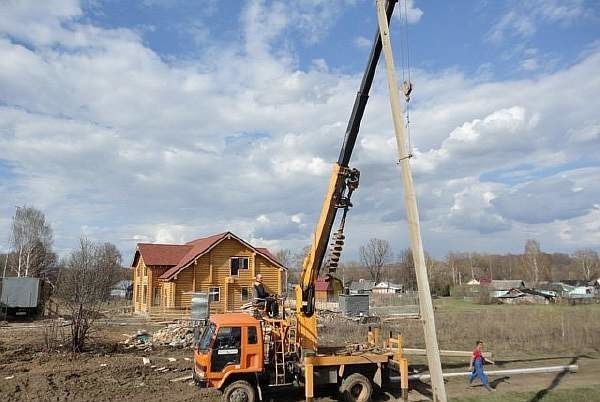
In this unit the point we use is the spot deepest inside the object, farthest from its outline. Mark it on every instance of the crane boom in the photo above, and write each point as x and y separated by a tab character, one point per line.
342	183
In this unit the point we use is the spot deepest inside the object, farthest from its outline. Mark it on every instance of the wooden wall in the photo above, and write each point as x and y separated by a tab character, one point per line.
211	270
214	270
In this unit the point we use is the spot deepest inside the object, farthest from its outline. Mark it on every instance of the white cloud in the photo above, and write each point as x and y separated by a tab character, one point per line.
524	17
408	12
362	43
107	137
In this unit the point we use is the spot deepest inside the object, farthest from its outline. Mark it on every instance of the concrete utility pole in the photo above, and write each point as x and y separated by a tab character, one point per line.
412	215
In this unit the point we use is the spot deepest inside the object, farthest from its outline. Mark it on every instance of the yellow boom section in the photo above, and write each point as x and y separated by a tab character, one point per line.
307	322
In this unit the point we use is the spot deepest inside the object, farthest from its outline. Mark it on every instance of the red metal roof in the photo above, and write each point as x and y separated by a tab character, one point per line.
322	285
162	254
180	256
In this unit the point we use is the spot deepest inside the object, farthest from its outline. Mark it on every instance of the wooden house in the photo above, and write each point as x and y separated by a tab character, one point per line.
224	265
328	289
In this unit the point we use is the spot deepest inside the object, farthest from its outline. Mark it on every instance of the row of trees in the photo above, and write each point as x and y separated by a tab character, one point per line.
30	241
378	263
81	280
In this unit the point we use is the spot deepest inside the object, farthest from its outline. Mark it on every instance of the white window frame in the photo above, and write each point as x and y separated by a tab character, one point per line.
239	268
212	294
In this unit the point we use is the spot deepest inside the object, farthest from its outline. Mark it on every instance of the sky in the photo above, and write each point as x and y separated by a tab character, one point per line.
169	120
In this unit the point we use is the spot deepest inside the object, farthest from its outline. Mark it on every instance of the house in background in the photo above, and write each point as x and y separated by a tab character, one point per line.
473	282
224	266
361	286
328	289
387	288
122	290
499	288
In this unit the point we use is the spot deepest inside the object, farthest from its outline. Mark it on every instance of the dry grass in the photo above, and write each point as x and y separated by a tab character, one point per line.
505	329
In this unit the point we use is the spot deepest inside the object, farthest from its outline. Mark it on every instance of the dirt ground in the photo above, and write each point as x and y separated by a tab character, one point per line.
109	372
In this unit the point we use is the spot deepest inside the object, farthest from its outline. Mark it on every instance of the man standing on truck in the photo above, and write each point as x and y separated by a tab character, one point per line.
476	366
263	298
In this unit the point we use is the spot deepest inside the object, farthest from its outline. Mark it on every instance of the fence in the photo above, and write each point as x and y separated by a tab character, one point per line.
381	304
391	304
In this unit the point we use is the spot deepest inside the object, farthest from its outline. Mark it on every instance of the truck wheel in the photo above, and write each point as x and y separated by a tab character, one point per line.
356	388
239	391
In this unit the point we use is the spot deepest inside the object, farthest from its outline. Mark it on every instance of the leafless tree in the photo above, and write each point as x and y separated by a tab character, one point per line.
408	275
84	284
30	239
535	262
374	256
588	261
284	256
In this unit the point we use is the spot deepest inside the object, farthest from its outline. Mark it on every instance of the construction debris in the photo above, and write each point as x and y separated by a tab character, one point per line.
174	335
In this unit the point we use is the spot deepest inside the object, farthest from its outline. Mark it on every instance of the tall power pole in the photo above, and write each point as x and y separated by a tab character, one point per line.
412	214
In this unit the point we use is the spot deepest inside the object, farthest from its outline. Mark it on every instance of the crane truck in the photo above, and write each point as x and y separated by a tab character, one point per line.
245	355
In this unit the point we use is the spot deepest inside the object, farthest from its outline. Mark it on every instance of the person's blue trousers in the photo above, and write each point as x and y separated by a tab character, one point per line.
478	372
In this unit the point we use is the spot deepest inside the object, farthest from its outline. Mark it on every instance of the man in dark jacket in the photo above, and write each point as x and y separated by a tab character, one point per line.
263	298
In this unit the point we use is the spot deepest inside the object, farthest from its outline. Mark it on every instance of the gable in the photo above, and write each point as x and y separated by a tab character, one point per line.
202	246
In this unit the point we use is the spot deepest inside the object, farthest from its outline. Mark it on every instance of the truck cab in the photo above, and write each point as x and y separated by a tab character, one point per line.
229	350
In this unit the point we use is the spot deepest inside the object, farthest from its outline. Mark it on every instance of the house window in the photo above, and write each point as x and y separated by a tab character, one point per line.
145	295
214	294
137	293
246	294
238	263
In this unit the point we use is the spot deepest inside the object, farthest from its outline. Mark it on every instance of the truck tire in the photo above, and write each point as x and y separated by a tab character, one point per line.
356	388
239	391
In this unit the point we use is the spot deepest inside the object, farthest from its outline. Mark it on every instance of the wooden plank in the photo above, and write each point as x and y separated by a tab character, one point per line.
448	353
365	358
572	368
185	377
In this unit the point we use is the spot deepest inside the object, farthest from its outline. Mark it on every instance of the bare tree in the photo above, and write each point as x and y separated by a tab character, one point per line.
30	239
374	256
588	261
535	262
84	284
285	257
408	275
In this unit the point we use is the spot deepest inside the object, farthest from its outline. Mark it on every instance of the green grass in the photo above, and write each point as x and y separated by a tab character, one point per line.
582	394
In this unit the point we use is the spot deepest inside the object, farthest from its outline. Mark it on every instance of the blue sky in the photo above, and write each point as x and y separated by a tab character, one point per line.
168	120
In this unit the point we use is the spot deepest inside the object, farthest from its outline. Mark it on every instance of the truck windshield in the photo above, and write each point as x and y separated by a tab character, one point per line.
206	337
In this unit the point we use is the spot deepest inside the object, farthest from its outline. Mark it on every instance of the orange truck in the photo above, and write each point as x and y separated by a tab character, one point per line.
245	355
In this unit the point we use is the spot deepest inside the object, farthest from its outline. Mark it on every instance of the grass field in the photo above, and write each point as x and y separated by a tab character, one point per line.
522	329
519	336
506	329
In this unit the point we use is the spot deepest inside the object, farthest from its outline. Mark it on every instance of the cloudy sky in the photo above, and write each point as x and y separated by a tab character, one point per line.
168	120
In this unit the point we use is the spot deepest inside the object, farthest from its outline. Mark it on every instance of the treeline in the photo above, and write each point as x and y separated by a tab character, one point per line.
378	262
31	249
81	281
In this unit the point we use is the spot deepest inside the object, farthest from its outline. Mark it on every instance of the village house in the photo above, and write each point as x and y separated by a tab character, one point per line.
328	289
387	288
223	265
